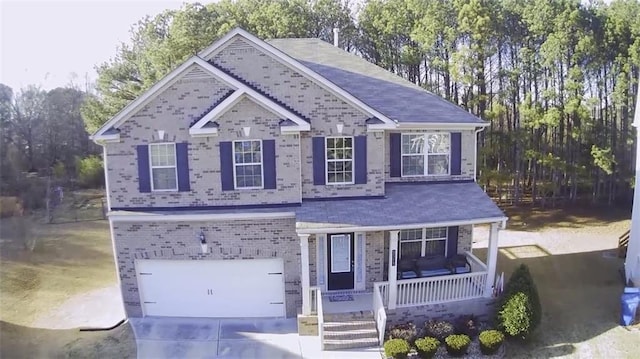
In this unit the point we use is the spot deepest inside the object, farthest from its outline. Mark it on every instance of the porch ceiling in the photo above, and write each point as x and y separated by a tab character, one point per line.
404	204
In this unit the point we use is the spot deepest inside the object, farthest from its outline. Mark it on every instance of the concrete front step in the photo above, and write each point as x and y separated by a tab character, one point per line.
349	326
339	344
347	317
351	334
350	330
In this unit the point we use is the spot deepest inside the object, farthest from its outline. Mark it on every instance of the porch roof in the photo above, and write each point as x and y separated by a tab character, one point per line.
404	205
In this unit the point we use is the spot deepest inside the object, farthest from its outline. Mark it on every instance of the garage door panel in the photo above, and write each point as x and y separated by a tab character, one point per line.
222	288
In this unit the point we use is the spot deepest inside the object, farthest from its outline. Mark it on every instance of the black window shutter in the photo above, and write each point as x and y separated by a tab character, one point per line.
360	157
226	166
395	155
456	153
182	161
269	163
318	160
452	241
144	171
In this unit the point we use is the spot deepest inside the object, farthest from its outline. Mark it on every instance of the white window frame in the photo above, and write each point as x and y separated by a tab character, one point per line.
423	239
425	154
261	163
327	160
152	167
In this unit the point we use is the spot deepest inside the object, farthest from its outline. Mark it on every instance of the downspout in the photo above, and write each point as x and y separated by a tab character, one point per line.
475	152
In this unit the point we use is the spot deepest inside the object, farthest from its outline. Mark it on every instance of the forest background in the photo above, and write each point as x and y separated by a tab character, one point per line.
556	80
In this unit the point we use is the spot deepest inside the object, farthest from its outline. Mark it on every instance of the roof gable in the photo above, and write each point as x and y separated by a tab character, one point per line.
288	61
195	67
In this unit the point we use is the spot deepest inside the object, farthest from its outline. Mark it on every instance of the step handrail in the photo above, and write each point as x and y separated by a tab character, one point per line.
623	243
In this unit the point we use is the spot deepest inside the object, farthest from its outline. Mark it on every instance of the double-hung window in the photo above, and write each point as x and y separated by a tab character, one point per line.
425	154
247	164
164	176
339	160
420	242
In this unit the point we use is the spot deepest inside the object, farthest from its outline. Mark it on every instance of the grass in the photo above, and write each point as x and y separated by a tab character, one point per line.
66	259
573	261
526	218
41	267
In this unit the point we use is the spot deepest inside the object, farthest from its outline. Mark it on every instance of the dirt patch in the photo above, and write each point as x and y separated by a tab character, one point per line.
100	308
24	342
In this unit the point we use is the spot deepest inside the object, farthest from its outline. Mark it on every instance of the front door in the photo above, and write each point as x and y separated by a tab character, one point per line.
340	261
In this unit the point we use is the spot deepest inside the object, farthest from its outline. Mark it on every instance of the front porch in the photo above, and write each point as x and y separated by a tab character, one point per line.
375	256
410	292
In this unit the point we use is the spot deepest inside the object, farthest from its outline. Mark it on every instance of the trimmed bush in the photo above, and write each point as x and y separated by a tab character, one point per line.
457	344
490	341
519	310
438	329
427	347
407	332
467	324
396	348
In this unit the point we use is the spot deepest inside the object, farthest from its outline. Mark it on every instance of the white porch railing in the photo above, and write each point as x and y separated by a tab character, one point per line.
316	302
313	299
378	309
441	289
476	264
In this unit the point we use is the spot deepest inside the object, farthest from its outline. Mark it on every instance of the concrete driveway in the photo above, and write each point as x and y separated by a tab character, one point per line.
230	338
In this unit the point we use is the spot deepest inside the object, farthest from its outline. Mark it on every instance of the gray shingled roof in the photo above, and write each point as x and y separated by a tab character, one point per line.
396	98
403	204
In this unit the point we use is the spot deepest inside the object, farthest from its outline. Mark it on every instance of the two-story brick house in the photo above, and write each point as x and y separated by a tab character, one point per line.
259	176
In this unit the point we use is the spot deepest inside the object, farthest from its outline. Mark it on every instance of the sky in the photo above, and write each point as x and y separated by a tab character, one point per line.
45	42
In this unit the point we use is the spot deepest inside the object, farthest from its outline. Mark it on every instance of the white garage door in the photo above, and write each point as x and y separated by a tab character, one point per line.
207	288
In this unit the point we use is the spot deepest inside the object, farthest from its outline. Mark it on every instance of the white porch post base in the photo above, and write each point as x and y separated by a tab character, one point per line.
304	278
492	258
393	269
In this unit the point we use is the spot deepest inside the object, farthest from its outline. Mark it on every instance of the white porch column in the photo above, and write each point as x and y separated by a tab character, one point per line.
393	269
492	258
304	278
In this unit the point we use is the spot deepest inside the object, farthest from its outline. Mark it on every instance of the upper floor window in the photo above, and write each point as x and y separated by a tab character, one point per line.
247	163
164	175
420	242
339	160
425	154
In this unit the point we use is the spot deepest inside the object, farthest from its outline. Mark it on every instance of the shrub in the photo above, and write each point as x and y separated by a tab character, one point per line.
457	344
519	310
438	329
90	171
427	347
490	341
407	332
467	324
396	348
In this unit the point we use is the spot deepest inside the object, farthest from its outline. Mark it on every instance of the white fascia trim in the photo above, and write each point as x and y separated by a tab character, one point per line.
127	216
147	96
293	130
346	228
295	65
440	126
105	138
203	132
381	127
260	99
